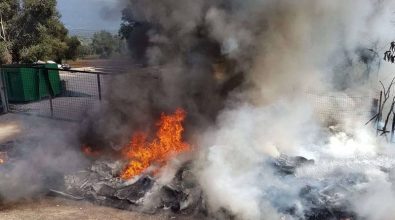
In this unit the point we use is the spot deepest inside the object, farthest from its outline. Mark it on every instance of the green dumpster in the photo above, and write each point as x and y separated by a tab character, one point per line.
54	81
27	83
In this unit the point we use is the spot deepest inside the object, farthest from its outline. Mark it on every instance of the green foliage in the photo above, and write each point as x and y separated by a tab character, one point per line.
8	9
5	56
8	16
85	50
104	44
47	49
73	50
42	35
34	32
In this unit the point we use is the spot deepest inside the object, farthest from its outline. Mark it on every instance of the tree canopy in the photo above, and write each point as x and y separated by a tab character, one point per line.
105	44
31	30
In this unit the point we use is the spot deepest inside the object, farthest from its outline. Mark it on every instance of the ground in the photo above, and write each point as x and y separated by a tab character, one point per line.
61	209
10	127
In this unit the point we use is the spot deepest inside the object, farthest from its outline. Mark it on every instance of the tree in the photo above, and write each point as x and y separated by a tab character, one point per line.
104	44
8	13
31	30
5	56
41	35
73	51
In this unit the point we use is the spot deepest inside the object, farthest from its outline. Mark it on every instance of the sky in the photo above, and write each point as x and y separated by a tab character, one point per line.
90	15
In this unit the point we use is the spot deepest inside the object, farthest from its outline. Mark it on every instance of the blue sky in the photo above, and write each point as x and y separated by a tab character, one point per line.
90	14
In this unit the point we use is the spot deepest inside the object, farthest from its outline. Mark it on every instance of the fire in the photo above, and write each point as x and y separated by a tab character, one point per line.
142	153
89	152
3	157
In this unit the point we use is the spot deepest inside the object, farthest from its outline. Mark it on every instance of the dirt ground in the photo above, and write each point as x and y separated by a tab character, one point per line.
10	127
61	209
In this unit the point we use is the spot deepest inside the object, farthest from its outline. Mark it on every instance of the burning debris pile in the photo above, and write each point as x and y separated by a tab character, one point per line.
128	185
101	184
167	143
241	70
325	198
320	199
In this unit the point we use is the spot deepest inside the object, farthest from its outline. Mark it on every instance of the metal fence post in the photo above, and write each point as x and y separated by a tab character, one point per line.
51	105
99	85
49	90
3	92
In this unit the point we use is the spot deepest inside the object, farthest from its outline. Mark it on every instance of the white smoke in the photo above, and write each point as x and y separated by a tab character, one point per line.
234	173
302	44
40	153
288	51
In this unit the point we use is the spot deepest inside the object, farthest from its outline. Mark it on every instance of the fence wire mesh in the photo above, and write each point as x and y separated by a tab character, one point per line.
80	92
336	108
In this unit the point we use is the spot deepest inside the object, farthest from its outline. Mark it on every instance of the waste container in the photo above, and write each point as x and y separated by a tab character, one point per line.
54	81
27	83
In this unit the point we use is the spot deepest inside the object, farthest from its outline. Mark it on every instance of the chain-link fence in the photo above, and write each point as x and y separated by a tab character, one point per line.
60	94
80	91
334	108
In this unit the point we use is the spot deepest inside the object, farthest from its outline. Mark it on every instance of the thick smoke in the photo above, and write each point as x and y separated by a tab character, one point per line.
42	154
110	10
245	70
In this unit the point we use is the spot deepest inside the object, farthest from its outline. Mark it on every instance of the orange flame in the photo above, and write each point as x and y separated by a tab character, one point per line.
3	157
168	142
89	152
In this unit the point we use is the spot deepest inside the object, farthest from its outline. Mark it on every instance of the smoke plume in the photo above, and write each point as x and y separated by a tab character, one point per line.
39	157
245	71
